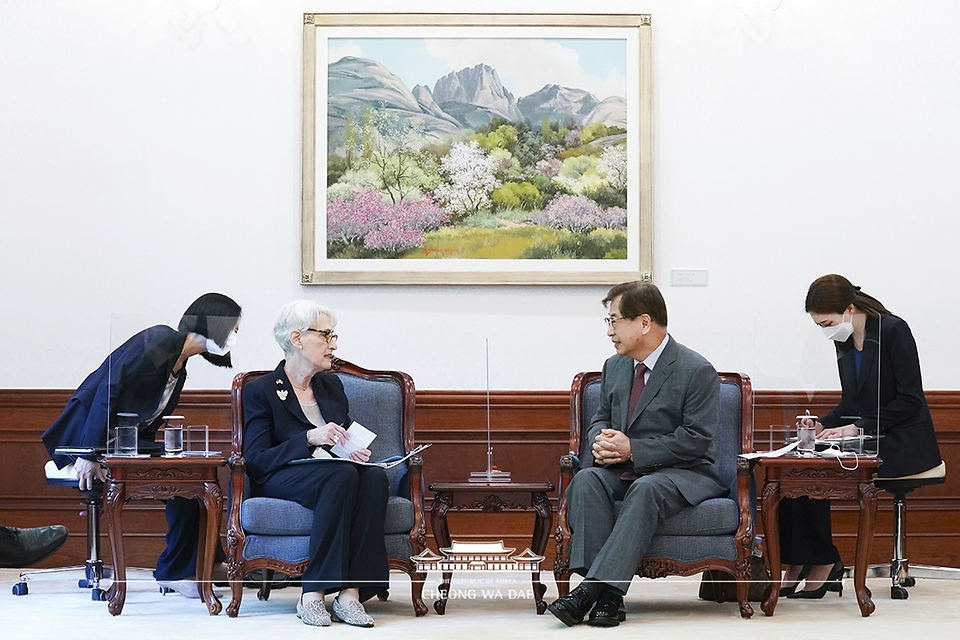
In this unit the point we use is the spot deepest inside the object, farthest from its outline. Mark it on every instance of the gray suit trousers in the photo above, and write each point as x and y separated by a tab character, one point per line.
607	546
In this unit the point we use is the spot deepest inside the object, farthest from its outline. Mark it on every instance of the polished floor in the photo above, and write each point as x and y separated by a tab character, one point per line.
483	605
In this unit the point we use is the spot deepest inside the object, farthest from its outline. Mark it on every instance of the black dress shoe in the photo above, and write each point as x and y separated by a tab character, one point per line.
24	547
571	608
608	612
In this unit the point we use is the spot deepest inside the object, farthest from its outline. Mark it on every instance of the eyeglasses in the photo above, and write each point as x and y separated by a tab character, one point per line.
611	321
327	334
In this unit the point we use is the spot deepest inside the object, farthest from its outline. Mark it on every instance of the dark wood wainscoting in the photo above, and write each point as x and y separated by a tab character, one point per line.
27	501
529	434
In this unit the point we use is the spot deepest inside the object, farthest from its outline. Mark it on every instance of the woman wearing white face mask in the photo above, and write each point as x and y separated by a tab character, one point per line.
144	376
866	336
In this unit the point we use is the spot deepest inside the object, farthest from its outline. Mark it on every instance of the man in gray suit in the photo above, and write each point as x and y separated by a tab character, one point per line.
652	449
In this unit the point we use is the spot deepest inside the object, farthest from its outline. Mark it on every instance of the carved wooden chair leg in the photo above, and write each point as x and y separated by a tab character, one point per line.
416	584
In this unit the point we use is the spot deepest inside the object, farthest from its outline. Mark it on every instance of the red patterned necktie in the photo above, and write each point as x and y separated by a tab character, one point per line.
636	390
629	475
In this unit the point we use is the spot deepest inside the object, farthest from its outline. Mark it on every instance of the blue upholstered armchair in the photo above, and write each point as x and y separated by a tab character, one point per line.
271	534
715	534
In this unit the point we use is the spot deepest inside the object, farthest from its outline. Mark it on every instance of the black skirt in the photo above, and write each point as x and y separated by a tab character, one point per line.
805	532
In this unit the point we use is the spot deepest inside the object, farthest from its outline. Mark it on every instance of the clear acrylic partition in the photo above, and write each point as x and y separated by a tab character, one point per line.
873	366
123	410
795	360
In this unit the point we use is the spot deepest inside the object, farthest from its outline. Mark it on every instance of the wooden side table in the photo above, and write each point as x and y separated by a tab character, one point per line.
492	497
164	478
794	476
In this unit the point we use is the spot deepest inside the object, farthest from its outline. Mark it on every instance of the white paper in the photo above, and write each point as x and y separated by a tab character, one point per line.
776	453
360	439
844	439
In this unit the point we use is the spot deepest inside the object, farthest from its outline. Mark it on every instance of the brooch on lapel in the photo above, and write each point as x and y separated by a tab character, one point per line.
282	394
279	381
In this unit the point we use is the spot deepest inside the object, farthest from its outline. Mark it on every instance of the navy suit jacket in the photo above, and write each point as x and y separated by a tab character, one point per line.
671	429
131	380
275	427
909	441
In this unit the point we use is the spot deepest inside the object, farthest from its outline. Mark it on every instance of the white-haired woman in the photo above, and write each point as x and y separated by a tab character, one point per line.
289	414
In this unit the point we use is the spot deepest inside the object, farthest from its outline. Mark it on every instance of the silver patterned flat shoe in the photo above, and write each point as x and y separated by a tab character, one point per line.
313	613
352	614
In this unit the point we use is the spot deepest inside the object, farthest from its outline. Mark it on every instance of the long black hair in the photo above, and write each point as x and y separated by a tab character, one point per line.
833	293
212	315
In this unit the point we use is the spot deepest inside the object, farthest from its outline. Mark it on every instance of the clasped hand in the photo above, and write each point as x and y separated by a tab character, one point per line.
611	447
331	434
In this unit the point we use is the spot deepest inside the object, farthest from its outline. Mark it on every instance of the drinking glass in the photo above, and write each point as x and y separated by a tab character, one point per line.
198	436
173	436
126	442
806	433
776	436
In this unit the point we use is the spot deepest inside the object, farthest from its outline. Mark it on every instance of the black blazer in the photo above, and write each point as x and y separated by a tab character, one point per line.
131	380
275	427
909	442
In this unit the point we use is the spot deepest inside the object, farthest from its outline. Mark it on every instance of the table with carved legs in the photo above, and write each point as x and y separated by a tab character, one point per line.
492	497
793	476
164	478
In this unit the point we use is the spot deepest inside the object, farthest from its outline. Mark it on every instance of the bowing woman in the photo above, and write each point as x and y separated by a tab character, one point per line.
144	376
881	392
291	413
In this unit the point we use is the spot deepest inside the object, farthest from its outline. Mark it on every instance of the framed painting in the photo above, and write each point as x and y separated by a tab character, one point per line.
476	149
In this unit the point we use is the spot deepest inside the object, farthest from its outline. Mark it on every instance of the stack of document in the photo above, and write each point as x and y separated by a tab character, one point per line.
360	438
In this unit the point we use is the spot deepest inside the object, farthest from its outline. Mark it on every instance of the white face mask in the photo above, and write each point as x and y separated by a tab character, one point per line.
839	332
214	349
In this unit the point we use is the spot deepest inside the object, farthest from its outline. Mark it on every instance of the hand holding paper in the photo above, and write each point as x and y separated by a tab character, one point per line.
360	439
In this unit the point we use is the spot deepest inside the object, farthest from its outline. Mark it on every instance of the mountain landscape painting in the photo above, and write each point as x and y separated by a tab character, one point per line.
478	150
463	168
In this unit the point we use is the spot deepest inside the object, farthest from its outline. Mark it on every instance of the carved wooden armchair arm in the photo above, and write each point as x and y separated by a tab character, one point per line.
561	564
568	467
234	530
418	534
746	497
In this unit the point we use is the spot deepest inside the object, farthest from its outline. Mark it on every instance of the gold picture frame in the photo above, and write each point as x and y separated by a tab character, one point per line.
479	187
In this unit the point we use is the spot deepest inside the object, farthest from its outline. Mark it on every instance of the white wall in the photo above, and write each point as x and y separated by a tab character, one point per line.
150	151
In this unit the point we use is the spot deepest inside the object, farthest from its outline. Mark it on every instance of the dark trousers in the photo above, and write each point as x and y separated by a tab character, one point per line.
349	503
805	532
178	561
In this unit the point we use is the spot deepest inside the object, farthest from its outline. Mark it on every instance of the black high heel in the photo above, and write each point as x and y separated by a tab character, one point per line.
835	579
787	590
834	582
807	594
